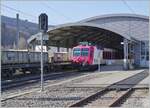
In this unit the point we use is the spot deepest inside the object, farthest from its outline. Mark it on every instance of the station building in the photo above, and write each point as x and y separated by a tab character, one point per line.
127	33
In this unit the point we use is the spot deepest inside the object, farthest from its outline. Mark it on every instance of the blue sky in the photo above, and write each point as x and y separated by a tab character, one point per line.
61	12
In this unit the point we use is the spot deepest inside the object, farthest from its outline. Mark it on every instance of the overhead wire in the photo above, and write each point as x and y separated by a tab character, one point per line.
132	10
35	17
19	11
56	11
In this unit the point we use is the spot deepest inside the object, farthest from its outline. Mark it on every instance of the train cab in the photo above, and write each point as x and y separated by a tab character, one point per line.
83	54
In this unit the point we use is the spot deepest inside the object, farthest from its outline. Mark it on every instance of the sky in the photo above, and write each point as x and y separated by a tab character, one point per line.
66	11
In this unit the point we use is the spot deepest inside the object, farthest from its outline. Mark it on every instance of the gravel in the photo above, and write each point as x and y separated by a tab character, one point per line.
58	96
54	96
106	99
32	86
139	98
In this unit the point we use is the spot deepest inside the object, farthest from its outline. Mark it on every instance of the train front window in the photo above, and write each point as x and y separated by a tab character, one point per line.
84	51
76	52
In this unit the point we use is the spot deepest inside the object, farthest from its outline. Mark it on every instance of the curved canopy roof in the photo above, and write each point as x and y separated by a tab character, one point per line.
106	30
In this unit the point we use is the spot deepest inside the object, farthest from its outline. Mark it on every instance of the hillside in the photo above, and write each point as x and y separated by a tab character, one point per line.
9	34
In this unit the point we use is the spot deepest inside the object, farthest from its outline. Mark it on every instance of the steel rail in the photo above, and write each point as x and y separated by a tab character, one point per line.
86	100
124	96
34	79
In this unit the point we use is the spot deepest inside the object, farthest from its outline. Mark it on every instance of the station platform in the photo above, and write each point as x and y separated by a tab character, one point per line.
107	79
144	83
112	67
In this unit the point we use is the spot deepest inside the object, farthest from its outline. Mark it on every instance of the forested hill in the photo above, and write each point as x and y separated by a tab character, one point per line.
9	32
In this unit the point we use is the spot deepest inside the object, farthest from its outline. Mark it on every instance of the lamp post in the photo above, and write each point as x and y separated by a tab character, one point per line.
125	47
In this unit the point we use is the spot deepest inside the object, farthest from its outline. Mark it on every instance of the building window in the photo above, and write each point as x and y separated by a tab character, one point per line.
144	51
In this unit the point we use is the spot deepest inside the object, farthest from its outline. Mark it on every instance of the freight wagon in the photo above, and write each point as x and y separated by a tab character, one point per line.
12	60
24	60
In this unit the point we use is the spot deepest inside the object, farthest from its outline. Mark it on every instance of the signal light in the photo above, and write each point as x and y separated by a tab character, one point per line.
43	22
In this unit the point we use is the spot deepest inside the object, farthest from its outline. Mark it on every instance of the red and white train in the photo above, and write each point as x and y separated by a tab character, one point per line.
89	56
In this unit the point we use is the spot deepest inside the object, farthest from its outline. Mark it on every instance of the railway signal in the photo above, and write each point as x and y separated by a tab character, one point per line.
43	22
43	27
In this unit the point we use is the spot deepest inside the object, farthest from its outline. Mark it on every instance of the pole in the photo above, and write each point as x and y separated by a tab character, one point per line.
125	54
17	43
43	26
42	62
124	47
99	61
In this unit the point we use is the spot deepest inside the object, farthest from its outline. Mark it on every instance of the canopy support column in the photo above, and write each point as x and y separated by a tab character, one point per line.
58	46
125	54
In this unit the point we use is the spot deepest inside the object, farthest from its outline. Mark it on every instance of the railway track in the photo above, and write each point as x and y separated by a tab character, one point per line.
112	95
136	98
6	85
63	93
30	85
111	98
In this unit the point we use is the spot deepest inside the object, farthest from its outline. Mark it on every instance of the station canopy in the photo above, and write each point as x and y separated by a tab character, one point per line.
105	30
